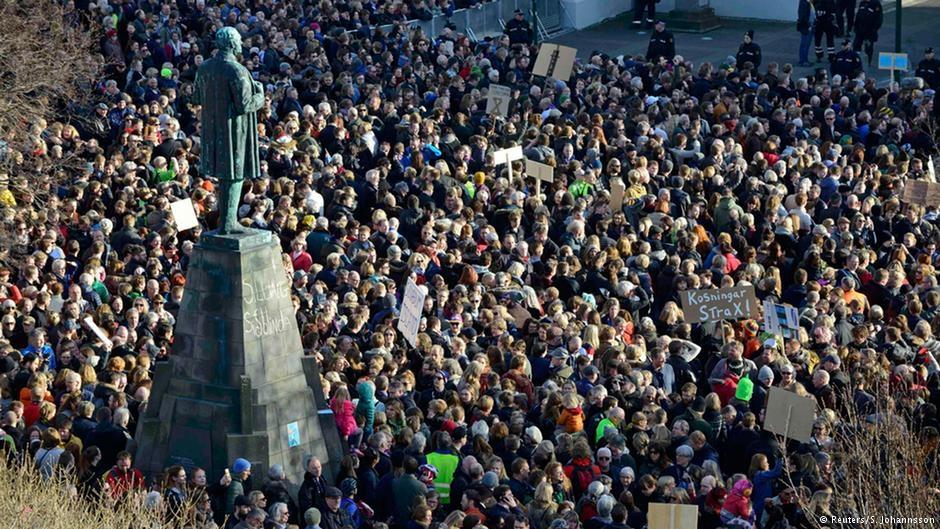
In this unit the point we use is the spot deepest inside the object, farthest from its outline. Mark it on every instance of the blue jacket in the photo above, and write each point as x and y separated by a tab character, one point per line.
764	486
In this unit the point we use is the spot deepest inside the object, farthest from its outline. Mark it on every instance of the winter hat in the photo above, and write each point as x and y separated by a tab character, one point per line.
765	373
490	480
240	465
745	390
750	34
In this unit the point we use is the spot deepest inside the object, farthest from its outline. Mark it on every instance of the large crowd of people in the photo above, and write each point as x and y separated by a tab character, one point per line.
554	382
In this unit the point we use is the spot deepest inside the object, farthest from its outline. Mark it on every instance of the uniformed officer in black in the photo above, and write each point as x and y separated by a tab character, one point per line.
662	44
929	70
518	29
748	51
868	20
825	25
847	63
845	15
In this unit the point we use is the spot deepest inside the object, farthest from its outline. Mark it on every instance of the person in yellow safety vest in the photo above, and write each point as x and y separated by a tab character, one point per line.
446	462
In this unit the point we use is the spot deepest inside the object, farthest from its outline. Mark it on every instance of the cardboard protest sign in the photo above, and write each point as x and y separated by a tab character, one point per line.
921	192
672	516
781	319
789	414
555	61
412	305
541	171
735	303
93	327
497	100
184	215
617	192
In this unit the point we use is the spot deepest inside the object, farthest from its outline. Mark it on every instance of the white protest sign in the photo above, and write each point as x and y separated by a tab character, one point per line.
497	100
412	305
541	171
507	156
184	215
93	327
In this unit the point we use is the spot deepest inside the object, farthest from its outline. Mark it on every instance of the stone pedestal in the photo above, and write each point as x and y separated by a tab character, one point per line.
693	16
237	384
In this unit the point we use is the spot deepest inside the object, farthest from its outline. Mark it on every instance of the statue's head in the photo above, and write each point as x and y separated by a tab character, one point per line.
227	39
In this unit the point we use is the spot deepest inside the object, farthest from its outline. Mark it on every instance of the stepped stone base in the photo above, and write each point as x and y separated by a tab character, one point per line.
237	384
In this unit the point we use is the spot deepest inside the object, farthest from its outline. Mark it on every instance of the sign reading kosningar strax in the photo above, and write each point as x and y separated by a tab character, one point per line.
735	303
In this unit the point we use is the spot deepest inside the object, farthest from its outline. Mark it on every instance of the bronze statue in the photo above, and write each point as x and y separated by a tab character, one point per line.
230	99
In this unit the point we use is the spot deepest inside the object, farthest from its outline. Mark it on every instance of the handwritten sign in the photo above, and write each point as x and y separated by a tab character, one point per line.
184	215
735	303
497	100
555	61
412	305
789	414
672	516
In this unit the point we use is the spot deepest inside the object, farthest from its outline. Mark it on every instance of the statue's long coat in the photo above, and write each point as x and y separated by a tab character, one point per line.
230	100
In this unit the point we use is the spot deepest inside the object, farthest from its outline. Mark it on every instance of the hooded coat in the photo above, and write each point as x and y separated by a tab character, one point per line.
366	406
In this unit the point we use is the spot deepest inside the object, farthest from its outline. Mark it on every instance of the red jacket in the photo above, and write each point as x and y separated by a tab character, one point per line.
120	483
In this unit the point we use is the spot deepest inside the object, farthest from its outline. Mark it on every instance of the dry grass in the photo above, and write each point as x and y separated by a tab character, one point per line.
27	501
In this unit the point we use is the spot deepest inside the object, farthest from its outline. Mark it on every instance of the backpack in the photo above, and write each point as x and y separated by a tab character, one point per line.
581	477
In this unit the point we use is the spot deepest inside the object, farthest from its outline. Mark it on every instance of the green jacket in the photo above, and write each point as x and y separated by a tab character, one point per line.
235	489
405	489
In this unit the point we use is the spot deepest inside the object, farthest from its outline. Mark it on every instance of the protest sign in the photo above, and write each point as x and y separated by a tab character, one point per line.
617	192
184	215
781	319
497	100
541	171
789	414
507	156
921	192
412	305
555	61
98	332
672	516
735	303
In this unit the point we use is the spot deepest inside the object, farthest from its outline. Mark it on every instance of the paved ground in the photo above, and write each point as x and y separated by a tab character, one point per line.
779	41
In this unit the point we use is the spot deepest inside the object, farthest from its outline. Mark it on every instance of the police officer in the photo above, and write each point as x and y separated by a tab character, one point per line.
825	25
518	29
748	51
644	5
868	20
662	44
845	15
929	70
847	63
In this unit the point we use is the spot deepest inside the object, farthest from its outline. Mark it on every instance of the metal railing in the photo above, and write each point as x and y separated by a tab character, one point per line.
489	19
